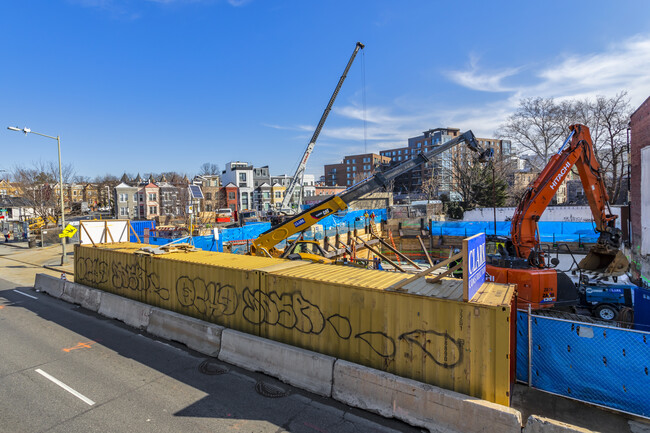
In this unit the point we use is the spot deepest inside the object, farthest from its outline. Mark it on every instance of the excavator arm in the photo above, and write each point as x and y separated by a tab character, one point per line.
264	245
578	151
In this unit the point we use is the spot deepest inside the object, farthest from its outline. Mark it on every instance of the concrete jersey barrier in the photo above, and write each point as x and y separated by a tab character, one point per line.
298	367
196	334
419	404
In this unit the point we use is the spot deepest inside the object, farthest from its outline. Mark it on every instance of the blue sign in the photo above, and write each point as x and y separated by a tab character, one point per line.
473	265
300	222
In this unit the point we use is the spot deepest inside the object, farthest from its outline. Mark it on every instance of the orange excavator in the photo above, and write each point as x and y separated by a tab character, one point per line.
522	260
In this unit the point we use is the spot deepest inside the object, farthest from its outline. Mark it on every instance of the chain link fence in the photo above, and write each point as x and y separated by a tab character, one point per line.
590	362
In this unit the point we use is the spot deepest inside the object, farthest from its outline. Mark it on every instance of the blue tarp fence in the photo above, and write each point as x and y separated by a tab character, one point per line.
597	364
139	226
550	231
330	224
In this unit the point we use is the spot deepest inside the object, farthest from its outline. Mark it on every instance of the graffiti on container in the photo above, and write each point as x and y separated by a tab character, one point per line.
289	310
92	271
211	299
379	342
452	349
341	325
134	277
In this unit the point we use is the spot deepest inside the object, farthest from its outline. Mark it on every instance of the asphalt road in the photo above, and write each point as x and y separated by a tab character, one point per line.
64	369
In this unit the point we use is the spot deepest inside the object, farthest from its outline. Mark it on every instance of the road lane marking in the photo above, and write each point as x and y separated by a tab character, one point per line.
66	387
86	345
25	294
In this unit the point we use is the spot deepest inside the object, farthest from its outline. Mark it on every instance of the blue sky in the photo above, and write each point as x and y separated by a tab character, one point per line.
161	85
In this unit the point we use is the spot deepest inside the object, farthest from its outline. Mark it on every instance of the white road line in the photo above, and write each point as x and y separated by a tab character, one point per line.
66	387
25	294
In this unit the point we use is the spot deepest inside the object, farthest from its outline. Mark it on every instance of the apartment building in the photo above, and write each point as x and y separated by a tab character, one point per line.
442	166
354	168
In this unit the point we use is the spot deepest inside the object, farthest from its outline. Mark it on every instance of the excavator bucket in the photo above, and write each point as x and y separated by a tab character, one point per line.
605	261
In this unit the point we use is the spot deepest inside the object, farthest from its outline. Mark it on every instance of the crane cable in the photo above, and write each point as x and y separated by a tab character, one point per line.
363	93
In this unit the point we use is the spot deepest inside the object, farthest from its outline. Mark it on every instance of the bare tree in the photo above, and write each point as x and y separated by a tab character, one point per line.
612	116
430	185
209	168
537	129
539	126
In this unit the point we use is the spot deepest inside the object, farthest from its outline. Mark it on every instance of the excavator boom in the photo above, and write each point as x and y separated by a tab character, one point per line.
578	151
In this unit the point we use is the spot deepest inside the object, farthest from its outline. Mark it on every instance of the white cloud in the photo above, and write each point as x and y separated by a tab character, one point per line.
484	82
619	67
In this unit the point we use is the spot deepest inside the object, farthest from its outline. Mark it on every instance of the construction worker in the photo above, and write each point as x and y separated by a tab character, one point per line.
458	273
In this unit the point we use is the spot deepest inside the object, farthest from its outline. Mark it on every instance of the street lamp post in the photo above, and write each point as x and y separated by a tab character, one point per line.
64	258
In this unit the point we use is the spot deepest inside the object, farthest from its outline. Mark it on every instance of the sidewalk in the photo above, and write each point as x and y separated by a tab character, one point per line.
19	263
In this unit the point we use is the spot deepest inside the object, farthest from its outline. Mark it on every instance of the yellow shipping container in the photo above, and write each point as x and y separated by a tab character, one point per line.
345	312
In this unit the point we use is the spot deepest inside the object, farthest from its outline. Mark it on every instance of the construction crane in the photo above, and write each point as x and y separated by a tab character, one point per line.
300	171
265	244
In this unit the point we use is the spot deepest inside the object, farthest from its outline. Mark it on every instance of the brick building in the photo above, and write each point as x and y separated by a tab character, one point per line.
640	192
353	169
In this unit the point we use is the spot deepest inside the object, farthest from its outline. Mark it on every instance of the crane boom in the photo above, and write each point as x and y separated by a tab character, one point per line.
300	171
265	243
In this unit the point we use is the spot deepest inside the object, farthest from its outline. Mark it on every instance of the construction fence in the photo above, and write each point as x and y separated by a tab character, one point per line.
549	231
598	364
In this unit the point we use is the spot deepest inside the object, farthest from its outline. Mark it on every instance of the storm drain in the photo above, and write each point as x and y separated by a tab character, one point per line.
270	391
211	367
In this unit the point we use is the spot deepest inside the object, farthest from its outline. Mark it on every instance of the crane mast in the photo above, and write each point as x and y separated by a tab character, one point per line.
300	171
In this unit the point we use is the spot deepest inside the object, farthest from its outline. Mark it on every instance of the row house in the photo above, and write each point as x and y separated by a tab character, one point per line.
148	199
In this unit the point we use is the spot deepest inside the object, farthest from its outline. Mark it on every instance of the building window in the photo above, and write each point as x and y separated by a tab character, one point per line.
348	182
208	208
354	168
231	195
278	194
124	211
208	196
152	196
242	177
124	198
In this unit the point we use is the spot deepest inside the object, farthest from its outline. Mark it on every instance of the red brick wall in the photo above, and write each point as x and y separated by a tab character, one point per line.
640	138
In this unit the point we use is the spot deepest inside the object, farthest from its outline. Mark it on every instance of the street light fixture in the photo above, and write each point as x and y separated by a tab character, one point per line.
64	258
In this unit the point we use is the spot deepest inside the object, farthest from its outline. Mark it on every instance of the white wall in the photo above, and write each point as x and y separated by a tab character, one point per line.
552	213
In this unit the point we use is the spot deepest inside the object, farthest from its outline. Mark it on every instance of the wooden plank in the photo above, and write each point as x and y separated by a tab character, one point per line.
402	283
136	235
395	265
108	231
89	237
426	253
398	253
439	277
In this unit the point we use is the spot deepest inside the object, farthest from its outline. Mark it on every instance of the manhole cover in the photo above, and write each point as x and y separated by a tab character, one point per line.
211	367
270	391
